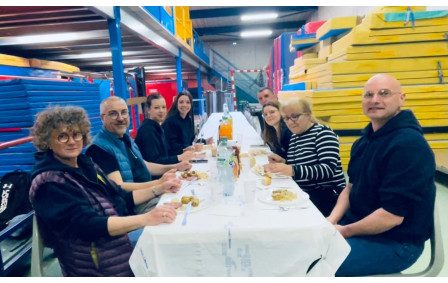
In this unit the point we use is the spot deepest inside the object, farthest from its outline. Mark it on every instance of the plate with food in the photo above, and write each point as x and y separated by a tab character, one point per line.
196	203
190	175
283	196
259	170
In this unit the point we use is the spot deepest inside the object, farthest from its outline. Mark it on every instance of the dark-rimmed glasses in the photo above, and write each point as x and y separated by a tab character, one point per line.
293	117
383	93
114	114
64	137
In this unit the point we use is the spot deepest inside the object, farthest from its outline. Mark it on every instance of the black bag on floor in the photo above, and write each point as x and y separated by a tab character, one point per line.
14	197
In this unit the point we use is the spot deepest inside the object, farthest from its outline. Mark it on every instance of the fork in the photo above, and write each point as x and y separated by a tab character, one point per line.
286	208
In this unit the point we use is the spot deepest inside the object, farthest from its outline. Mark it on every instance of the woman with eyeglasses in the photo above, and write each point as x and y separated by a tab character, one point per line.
151	138
275	134
87	219
313	156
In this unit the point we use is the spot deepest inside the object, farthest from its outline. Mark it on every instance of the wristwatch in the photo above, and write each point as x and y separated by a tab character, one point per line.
154	191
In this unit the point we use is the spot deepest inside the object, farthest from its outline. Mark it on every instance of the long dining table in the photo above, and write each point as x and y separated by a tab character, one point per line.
247	234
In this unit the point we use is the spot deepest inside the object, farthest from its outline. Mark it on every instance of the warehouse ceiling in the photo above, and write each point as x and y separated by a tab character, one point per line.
42	32
219	23
35	32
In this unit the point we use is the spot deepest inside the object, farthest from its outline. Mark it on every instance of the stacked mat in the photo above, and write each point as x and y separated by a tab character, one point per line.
22	99
315	53
9	60
409	45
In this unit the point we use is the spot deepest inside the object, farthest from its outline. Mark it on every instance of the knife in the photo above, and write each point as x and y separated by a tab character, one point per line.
184	222
189	183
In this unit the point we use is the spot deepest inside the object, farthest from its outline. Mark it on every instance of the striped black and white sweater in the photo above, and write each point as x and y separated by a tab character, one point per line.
315	158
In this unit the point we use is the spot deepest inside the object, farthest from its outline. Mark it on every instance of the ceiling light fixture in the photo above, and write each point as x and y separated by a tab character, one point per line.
259	17
256	33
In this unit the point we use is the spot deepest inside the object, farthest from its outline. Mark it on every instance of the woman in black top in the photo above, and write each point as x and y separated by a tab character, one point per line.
179	124
151	138
275	134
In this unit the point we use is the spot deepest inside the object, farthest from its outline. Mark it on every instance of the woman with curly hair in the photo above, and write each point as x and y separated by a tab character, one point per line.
275	134
86	218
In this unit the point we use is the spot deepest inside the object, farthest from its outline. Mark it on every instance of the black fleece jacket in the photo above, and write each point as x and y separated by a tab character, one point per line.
152	143
394	169
179	133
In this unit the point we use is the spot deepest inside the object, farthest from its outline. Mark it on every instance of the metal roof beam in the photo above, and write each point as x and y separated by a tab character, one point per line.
239	28
237	11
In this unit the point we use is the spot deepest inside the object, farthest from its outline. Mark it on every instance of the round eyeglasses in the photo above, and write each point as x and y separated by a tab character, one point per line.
64	137
114	114
293	117
383	93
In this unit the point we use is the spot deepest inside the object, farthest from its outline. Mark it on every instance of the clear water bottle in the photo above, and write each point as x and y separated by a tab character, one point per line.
225	168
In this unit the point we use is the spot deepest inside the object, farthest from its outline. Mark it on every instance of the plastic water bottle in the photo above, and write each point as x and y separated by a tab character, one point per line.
225	168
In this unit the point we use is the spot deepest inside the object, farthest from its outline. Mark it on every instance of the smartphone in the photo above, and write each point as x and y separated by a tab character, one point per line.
199	161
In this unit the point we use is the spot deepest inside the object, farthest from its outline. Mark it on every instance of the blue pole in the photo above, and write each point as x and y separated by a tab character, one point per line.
120	88
200	97
179	71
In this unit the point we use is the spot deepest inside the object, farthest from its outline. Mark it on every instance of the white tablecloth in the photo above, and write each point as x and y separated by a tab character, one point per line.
228	237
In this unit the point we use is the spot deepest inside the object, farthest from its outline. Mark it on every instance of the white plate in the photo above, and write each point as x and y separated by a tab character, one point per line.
259	171
203	204
258	152
266	197
260	185
278	176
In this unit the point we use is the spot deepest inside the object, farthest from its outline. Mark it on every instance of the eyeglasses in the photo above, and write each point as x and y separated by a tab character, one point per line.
64	137
294	117
383	93
114	114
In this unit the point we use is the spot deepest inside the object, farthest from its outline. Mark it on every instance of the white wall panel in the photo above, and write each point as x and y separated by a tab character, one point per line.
246	54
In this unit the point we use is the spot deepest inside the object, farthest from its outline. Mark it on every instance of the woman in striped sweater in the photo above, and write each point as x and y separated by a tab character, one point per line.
313	156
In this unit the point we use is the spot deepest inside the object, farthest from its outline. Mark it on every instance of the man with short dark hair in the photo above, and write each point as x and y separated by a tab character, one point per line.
386	211
120	158
265	94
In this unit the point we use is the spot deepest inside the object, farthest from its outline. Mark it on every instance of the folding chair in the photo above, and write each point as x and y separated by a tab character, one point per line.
37	251
437	254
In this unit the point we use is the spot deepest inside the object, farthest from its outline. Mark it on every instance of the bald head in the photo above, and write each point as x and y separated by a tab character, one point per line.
382	99
385	80
106	102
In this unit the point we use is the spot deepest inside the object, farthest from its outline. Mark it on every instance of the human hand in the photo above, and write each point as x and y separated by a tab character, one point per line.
343	230
186	156
160	214
275	158
190	148
183	166
279	168
168	175
210	140
331	220
198	147
171	186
